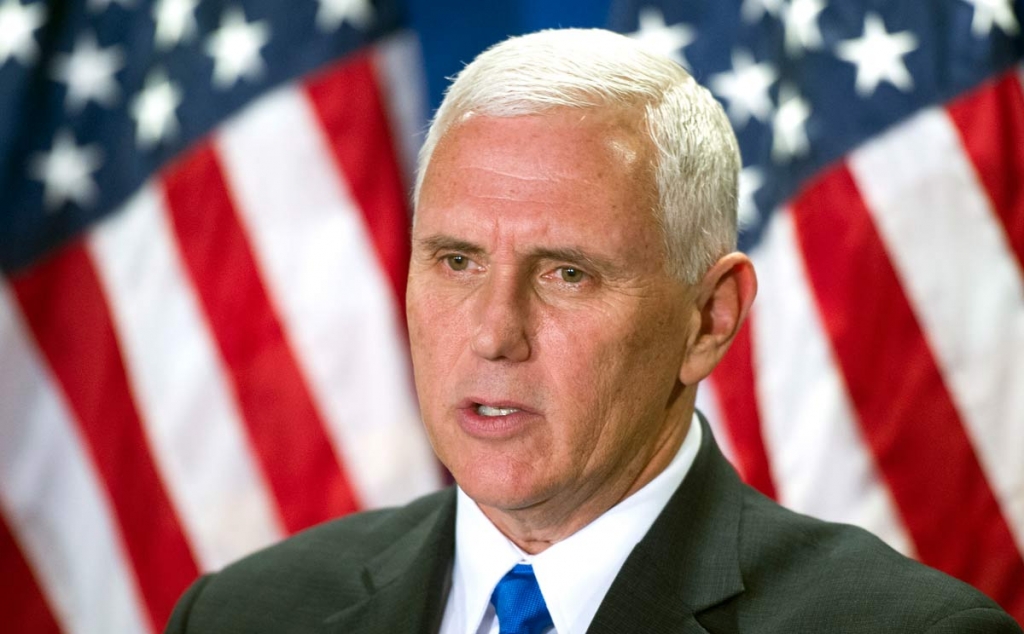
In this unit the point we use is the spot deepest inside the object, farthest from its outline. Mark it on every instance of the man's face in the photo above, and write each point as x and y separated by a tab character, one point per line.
546	335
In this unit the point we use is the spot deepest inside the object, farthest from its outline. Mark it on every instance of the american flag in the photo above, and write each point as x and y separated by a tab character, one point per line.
880	378
203	233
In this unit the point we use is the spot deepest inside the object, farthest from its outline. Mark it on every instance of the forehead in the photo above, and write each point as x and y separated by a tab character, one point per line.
561	171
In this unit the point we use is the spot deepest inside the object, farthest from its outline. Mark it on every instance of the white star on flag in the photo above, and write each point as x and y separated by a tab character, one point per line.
746	88
751	179
668	40
17	24
175	22
801	25
754	10
989	13
235	48
153	110
789	132
89	73
66	172
878	56
332	13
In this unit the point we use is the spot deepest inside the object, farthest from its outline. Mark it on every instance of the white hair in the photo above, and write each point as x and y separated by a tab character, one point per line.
698	161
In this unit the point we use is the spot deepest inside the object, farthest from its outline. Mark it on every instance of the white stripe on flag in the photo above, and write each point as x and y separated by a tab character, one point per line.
186	405
52	497
821	463
962	278
336	304
399	67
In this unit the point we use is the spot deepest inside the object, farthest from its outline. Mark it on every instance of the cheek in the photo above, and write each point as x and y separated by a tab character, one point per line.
423	322
429	317
606	359
582	353
437	338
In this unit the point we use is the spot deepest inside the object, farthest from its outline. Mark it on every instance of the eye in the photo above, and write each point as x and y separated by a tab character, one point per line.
571	274
457	262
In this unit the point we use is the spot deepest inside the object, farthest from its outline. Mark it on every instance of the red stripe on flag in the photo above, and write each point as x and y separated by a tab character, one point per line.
283	422
734	384
347	101
66	309
22	605
990	121
907	415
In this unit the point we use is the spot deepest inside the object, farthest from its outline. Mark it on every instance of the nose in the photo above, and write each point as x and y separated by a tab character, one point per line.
502	315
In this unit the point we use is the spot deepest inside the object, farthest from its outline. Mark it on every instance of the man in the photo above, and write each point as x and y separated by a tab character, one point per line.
572	281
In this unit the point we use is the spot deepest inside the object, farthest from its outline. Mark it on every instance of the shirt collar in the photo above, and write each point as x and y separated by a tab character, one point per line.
482	557
574	574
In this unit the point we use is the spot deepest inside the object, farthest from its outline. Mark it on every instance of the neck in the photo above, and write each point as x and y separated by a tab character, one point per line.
535	528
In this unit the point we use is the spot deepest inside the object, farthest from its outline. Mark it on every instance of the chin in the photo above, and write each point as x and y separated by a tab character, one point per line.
501	488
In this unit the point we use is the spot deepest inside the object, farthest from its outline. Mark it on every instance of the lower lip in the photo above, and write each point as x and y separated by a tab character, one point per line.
493	427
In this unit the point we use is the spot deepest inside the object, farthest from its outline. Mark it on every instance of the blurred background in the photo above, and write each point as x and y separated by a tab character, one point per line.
203	240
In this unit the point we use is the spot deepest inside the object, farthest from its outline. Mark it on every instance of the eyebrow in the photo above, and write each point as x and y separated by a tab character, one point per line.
569	254
441	242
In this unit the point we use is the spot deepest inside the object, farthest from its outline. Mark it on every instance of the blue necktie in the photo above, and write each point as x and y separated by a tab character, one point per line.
519	604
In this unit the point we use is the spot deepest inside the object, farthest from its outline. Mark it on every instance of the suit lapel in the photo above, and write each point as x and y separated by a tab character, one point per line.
407	583
688	561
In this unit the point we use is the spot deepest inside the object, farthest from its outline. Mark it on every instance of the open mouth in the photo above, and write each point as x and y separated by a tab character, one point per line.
487	410
494	417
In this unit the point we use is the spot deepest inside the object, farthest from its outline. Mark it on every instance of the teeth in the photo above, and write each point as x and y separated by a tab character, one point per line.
486	410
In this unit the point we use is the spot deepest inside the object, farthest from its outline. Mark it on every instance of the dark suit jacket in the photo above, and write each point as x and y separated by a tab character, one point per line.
720	558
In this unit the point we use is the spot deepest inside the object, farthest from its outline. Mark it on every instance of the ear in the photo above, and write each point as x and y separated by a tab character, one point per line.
722	301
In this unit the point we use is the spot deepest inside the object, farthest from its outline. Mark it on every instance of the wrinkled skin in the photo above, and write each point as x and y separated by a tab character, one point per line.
538	287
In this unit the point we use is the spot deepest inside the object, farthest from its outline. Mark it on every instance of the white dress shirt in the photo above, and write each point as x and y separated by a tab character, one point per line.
574	574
